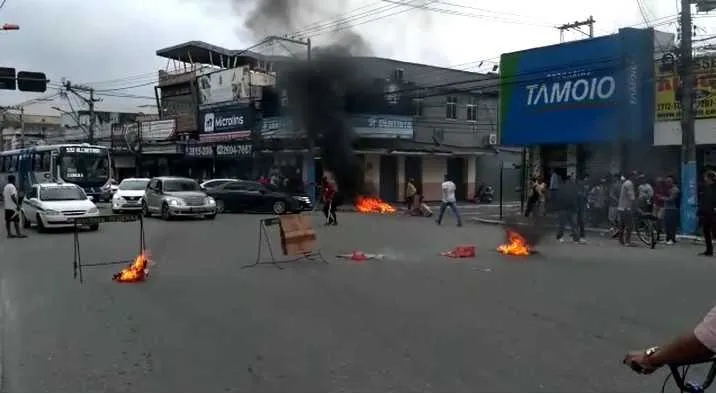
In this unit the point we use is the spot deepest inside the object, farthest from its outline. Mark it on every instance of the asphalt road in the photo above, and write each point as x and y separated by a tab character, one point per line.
557	321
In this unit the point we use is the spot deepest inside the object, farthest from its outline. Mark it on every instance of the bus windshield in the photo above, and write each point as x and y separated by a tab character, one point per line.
90	165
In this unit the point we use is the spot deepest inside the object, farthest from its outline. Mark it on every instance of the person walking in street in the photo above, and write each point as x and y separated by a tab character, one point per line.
627	198
671	210
707	208
410	192
448	200
329	203
11	202
566	202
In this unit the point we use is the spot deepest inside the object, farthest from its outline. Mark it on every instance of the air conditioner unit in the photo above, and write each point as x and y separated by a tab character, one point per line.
492	139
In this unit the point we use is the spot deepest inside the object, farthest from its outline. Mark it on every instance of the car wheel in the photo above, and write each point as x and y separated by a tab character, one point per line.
165	212
211	217
220	208
279	207
94	227
25	223
145	210
40	226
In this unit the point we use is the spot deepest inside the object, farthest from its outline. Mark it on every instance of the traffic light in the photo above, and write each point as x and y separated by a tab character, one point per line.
31	82
7	78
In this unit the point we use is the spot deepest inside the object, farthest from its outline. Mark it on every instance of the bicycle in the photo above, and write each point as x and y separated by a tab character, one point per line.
686	386
647	228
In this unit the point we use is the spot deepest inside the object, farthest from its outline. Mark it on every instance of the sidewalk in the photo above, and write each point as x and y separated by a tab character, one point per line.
593	230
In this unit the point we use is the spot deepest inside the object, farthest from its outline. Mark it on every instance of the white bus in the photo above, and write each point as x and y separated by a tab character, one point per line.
88	166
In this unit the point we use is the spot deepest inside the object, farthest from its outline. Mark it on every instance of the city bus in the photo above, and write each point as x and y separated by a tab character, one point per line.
88	166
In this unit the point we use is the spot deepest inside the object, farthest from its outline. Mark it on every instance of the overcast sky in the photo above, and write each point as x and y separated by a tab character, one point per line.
111	44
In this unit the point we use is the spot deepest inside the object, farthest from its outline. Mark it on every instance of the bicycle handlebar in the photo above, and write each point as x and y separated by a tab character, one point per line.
691	387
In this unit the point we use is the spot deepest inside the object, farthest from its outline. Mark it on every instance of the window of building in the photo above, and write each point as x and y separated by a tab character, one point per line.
472	110
451	107
418	106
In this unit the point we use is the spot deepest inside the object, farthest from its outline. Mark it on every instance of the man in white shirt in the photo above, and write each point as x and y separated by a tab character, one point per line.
12	208
448	188
627	197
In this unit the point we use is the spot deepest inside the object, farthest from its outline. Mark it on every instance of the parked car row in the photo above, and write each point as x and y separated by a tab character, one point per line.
56	205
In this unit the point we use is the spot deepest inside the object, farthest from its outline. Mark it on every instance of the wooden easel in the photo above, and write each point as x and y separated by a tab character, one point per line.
298	239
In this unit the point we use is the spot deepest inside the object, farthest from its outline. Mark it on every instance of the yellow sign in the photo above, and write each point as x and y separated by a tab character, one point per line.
668	103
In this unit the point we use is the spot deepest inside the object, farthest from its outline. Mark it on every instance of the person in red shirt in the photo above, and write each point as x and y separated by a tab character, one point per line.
329	206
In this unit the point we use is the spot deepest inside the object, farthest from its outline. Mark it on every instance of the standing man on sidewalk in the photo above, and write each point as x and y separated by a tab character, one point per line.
671	210
11	201
448	189
707	208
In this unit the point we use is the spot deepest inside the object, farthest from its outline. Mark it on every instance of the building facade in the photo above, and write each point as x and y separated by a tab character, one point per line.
414	121
582	107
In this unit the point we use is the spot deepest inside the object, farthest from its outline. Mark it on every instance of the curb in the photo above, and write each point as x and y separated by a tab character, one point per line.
679	237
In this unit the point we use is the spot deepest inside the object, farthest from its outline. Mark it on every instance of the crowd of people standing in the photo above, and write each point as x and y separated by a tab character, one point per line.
613	202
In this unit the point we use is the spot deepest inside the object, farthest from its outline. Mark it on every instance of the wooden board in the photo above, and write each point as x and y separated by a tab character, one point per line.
297	235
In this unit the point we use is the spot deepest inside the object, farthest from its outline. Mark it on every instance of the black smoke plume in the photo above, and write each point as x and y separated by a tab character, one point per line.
304	17
317	93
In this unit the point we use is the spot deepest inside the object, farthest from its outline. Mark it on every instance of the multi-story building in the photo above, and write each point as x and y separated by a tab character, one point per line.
38	129
417	121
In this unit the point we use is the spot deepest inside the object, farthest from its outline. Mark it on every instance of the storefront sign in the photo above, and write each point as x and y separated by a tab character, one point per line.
668	102
595	90
382	126
224	123
233	150
199	150
221	150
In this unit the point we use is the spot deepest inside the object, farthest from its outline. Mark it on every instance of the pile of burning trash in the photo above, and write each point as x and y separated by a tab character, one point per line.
138	271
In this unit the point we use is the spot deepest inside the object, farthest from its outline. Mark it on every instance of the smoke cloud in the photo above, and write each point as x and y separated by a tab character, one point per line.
262	18
316	93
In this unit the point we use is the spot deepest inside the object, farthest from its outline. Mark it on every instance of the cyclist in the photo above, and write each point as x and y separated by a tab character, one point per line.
697	346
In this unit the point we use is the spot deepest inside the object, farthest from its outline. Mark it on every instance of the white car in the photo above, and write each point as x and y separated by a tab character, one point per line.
129	195
54	205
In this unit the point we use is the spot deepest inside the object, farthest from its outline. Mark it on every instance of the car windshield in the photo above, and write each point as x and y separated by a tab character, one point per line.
134	184
180	185
62	193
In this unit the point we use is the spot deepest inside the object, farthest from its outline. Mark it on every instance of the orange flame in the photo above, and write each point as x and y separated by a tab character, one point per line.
136	272
516	245
372	205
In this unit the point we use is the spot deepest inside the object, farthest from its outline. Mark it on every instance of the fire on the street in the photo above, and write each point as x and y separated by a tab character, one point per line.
516	244
372	205
136	272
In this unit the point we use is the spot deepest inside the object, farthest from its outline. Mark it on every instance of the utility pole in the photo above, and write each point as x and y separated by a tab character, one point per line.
577	26
75	89
689	200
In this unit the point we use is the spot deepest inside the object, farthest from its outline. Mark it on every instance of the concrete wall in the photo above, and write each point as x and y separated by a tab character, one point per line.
434	169
488	171
458	132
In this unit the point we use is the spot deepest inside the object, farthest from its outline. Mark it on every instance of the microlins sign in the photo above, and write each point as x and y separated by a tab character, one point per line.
575	91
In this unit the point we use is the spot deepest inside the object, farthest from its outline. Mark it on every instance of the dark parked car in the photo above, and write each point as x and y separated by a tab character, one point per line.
248	196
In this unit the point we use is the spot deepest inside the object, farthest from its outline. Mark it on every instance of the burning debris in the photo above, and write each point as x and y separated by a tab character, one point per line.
138	271
516	244
372	205
358	255
460	252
